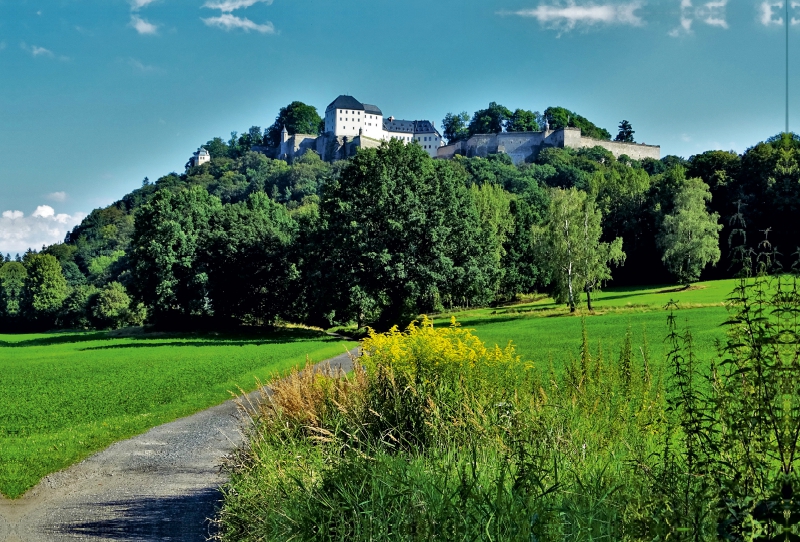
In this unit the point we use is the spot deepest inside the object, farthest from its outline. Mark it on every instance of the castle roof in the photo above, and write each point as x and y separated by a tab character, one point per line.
409	126
346	102
372	110
424	127
395	125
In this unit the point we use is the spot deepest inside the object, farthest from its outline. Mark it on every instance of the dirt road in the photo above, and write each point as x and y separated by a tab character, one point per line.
161	485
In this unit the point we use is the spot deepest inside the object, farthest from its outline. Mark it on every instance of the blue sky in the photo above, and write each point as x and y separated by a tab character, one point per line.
97	94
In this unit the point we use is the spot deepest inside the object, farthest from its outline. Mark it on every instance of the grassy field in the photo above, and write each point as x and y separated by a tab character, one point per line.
542	330
66	395
463	443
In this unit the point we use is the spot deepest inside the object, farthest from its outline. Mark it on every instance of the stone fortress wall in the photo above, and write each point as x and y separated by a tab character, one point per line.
524	146
363	126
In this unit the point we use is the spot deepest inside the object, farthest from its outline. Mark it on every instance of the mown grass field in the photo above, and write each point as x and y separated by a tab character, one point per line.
64	396
542	331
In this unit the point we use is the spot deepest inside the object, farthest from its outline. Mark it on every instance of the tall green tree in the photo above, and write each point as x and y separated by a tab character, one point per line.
689	236
571	241
112	306
400	232
250	275
491	120
455	127
298	118
559	117
166	248
493	205
625	133
45	288
12	286
595	257
523	120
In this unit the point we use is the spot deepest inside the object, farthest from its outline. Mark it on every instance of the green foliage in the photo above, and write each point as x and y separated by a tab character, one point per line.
298	118
570	238
625	133
491	120
249	275
100	266
455	127
402	235
68	395
112	307
13	276
77	309
523	120
170	230
690	234
558	117
45	287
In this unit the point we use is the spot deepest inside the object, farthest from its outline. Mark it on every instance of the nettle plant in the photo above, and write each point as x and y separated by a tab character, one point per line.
740	421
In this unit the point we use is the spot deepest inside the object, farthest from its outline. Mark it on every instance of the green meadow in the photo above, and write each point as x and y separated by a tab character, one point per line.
64	396
543	331
67	395
455	446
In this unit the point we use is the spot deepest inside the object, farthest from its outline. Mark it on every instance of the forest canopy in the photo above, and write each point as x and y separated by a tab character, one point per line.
390	232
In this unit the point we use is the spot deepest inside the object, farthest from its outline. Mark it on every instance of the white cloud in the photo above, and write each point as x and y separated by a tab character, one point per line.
226	21
711	13
44	211
142	26
141	66
136	5
226	6
57	196
38	51
569	16
766	13
18	232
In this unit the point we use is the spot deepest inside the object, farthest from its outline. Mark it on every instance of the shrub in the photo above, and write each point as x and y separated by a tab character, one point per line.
112	307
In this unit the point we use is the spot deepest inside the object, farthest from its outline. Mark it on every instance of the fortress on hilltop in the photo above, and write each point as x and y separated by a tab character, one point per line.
524	146
350	125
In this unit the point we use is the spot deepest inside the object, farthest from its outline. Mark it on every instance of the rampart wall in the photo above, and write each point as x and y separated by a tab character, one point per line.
524	146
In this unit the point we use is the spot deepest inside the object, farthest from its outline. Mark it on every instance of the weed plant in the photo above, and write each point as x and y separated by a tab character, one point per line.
436	437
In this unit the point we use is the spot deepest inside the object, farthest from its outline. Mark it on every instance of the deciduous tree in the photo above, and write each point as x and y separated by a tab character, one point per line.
170	232
45	287
12	285
523	120
298	118
491	120
455	127
571	241
689	237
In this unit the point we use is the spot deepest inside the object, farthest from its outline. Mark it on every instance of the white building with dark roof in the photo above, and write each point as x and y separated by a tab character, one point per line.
199	158
347	117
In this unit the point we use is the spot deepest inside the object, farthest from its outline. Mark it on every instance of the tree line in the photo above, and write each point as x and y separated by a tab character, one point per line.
390	233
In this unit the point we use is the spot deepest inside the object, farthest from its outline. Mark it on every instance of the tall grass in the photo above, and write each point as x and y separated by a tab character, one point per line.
436	437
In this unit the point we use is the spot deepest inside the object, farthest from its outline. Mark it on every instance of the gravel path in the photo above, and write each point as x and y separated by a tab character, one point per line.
161	485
